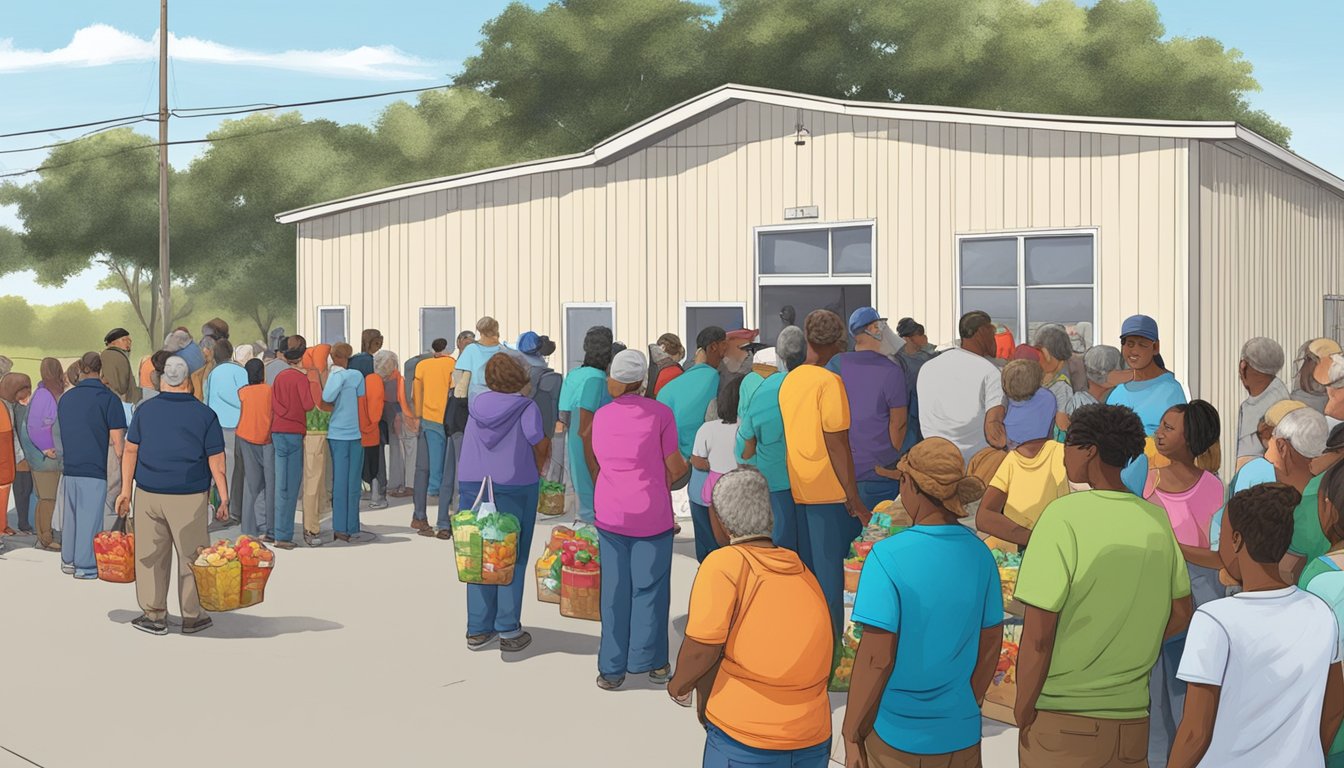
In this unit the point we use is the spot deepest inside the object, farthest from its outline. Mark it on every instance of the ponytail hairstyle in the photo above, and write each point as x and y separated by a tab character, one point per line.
1202	430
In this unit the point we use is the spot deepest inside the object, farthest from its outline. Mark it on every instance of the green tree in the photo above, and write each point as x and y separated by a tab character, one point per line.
444	133
97	203
576	72
17	319
70	326
242	260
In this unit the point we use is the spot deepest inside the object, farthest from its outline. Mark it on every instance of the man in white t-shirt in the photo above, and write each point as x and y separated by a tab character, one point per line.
1262	666
960	391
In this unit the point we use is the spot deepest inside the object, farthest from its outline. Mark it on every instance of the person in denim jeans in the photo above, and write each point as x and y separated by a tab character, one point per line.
344	387
291	400
506	444
90	417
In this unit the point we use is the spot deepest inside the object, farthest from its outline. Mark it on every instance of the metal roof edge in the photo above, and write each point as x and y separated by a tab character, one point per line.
1290	158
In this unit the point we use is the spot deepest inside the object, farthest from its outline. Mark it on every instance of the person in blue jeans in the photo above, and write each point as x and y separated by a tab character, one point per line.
342	392
291	400
504	448
90	417
931	608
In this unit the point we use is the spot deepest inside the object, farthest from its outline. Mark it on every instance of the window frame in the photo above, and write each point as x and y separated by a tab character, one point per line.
345	315
686	339
424	343
762	280
564	322
1022	235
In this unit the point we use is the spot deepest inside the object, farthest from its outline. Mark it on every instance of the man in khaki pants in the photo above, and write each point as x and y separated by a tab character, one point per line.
316	482
174	449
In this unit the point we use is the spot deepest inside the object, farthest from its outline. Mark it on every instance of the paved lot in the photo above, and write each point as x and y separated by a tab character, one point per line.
356	658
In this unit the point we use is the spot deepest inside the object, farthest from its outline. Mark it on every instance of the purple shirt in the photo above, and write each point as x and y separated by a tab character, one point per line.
874	385
1030	419
42	418
632	438
498	442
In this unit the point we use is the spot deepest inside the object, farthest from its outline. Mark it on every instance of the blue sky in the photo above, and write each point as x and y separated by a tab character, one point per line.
54	68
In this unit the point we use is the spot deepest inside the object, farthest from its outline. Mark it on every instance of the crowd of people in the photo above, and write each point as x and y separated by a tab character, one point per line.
1171	617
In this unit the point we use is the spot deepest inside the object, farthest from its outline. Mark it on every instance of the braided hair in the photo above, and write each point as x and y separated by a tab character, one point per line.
1202	429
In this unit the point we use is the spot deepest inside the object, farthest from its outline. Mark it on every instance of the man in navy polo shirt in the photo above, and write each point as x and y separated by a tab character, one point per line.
90	416
174	448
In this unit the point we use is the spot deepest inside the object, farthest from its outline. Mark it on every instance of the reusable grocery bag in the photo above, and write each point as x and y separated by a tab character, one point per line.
485	541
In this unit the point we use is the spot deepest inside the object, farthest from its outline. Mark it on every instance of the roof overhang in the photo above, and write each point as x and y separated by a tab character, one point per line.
659	126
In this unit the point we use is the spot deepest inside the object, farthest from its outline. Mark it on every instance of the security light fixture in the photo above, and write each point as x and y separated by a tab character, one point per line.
801	136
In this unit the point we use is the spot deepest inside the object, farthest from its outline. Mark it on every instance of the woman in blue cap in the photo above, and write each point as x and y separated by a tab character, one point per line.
1147	388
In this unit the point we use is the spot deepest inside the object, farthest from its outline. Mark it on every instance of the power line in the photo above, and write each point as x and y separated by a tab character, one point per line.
80	138
77	125
239	109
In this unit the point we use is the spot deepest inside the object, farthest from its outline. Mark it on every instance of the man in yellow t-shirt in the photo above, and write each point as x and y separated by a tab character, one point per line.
435	464
758	643
815	409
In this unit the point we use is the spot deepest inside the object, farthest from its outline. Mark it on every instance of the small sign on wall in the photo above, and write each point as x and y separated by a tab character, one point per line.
804	212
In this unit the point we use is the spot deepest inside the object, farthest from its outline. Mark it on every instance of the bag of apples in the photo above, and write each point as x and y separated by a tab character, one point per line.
114	552
233	575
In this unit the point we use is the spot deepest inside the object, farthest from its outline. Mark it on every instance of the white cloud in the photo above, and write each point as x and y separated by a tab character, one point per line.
99	45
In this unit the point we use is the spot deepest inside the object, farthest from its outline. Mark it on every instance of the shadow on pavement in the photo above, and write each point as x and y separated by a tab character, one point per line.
547	641
684	547
236	626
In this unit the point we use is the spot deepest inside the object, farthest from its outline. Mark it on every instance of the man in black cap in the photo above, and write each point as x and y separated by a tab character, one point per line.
119	377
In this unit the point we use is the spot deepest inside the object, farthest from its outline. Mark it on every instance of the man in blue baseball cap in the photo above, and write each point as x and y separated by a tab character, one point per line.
878	403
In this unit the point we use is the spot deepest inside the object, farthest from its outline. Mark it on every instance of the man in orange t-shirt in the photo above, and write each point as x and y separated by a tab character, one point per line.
371	439
758	640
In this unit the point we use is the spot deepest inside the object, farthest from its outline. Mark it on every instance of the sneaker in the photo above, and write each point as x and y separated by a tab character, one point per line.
610	684
378	504
479	642
515	644
146	624
427	531
285	545
203	623
68	570
661	675
312	539
86	576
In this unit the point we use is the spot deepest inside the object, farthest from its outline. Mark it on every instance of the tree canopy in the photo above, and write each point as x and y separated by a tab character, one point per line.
561	78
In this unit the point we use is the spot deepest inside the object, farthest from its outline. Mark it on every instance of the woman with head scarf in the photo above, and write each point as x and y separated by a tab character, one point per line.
256	453
504	449
635	456
924	664
583	392
1190	493
15	474
42	433
398	426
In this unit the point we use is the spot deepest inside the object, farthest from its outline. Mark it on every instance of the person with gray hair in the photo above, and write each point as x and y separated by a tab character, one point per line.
1056	349
760	431
1298	439
180	343
759	599
1099	363
1331	374
1261	362
174	448
633	459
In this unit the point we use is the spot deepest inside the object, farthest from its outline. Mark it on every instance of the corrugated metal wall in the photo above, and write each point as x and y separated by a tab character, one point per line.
673	222
1271	247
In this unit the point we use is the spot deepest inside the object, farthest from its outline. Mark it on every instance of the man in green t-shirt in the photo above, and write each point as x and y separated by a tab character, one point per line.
1104	584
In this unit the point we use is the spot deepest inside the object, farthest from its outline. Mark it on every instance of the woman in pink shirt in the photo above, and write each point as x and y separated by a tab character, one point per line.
637	458
1191	494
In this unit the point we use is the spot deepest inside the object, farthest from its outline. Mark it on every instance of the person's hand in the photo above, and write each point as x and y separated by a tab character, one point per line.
123	505
1025	715
856	509
51	454
684	701
413	425
222	512
855	756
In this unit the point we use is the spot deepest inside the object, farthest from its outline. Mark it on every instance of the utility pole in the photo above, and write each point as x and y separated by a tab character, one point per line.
165	278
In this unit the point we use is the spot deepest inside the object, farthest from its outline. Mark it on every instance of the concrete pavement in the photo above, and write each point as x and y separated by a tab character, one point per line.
356	658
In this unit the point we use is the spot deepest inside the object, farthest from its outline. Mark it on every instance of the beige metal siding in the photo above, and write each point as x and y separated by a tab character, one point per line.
1271	245
673	222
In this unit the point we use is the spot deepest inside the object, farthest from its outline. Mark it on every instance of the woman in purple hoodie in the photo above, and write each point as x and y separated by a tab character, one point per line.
505	442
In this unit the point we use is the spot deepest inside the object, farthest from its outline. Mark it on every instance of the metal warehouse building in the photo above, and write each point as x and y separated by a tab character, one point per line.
747	205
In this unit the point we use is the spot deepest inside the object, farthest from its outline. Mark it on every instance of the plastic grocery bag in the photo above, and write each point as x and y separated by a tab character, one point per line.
485	541
842	662
114	552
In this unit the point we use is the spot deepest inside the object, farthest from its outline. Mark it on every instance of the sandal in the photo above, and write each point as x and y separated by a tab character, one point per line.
445	534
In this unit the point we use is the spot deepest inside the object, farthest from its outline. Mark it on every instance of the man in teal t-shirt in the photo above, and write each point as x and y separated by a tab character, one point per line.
690	394
1104	583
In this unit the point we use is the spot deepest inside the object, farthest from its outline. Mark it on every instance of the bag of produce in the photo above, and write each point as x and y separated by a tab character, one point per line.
114	552
551	502
581	575
232	575
1003	688
1009	564
842	663
485	541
